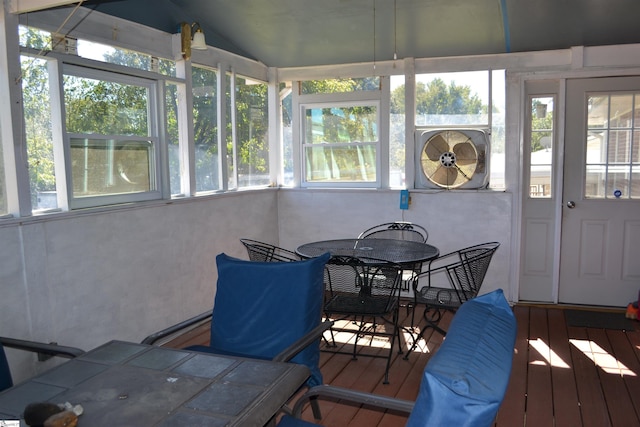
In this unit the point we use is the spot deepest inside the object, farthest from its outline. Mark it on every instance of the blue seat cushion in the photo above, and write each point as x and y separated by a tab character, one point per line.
464	382
261	308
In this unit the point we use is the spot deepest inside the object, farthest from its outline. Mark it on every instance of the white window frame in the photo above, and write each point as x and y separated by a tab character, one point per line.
153	88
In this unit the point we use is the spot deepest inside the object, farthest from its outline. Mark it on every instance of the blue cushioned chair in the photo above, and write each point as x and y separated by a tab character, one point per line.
267	310
44	351
463	383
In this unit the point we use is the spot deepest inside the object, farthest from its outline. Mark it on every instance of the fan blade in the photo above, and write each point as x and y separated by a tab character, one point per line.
465	151
435	146
444	176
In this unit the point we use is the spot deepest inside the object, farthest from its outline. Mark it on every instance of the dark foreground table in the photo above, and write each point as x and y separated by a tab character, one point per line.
128	384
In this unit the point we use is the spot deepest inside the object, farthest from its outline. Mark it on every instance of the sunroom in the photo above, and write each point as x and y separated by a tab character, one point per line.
132	158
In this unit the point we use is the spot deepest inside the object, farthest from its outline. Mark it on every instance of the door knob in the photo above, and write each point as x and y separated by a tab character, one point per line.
571	204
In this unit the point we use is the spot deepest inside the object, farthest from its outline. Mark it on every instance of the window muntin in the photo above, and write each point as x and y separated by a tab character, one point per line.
541	150
341	143
397	139
612	167
112	137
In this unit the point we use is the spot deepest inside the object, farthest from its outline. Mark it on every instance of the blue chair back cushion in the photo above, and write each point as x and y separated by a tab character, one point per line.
261	308
464	382
5	374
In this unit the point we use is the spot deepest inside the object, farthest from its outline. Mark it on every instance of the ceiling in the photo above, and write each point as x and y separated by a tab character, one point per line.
295	33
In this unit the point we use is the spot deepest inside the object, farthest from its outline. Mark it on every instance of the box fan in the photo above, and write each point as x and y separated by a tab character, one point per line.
452	158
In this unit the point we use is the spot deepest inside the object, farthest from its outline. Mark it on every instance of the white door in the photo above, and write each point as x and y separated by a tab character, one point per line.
600	243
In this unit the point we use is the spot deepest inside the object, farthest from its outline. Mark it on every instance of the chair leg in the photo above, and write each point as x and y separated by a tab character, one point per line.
315	408
430	323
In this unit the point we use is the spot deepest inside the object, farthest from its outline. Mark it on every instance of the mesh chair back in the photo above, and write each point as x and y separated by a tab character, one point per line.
359	286
399	230
266	252
468	274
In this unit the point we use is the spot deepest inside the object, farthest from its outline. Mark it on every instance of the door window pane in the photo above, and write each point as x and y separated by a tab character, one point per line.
612	142
541	157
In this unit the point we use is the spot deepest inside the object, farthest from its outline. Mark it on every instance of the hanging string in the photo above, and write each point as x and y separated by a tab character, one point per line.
395	32
374	37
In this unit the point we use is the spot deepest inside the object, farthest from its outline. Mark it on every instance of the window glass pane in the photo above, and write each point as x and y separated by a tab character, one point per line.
37	117
107	166
612	145
3	189
205	128
173	138
347	163
541	138
452	99
498	99
397	134
105	107
341	124
287	133
634	190
341	143
231	152
252	132
339	85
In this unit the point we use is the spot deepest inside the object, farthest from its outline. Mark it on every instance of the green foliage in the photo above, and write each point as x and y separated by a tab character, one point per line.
438	98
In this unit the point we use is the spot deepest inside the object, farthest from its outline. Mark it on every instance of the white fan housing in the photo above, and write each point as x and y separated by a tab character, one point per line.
452	158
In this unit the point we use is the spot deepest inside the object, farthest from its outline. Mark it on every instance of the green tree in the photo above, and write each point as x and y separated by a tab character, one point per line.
436	97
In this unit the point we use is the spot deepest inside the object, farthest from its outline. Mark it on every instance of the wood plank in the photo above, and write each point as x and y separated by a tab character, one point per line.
565	394
512	410
539	398
616	396
592	404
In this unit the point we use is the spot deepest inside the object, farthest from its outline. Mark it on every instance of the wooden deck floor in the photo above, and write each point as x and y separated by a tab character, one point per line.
562	376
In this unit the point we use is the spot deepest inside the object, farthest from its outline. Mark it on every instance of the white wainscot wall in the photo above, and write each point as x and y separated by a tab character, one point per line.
454	219
84	279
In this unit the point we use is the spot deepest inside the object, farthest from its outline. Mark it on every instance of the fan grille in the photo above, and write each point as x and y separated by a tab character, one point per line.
449	159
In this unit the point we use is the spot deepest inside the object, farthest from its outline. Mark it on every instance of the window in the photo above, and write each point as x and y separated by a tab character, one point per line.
541	165
112	137
471	99
342	133
341	143
613	146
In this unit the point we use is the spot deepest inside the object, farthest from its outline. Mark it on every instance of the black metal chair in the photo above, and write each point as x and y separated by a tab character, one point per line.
401	230
365	292
43	350
266	252
464	270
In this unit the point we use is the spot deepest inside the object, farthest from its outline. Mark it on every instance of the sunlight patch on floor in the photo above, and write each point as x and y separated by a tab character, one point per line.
377	341
602	358
551	357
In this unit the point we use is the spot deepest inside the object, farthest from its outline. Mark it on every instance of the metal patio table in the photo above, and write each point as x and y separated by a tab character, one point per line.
127	384
402	252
